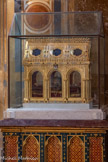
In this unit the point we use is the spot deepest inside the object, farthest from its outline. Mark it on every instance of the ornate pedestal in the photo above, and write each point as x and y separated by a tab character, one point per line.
54	140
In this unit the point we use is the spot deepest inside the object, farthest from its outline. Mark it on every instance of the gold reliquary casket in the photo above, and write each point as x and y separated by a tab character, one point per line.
57	70
60	60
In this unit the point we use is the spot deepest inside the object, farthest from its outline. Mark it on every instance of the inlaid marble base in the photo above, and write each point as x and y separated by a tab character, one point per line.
55	111
85	140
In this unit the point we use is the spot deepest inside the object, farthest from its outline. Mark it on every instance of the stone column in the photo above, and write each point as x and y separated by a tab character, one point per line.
64	5
64	18
10	13
6	16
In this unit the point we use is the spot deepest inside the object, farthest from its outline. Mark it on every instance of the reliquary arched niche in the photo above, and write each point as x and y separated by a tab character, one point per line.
74	83
53	150
37	84
31	149
55	84
76	150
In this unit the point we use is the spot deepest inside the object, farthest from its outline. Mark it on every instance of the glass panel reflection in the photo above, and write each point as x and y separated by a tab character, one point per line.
37	84
56	84
75	84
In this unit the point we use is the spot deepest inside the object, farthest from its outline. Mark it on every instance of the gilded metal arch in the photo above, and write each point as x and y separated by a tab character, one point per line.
74	148
74	138
25	141
72	70
51	71
34	70
31	151
52	137
59	143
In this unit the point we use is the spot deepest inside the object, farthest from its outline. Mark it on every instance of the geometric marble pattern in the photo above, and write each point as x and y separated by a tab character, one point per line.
31	149
11	148
53	150
76	150
96	149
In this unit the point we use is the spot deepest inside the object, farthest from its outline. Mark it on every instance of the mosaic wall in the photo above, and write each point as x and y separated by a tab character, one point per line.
19	6
98	5
54	146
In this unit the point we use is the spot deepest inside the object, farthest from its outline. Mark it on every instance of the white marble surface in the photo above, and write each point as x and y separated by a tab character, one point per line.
55	111
56	105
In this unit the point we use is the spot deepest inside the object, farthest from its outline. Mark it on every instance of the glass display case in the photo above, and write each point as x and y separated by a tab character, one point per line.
56	58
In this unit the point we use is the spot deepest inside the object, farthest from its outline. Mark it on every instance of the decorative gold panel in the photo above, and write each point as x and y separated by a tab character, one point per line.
31	149
53	150
96	149
66	62
76	150
11	148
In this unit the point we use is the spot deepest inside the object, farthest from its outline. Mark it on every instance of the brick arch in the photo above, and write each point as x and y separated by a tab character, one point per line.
76	150
31	149
53	150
